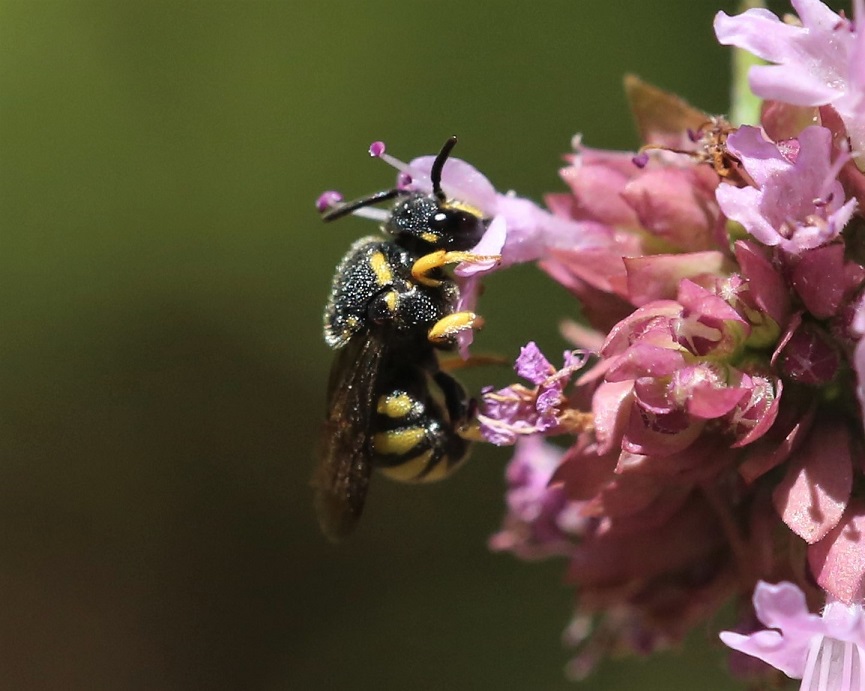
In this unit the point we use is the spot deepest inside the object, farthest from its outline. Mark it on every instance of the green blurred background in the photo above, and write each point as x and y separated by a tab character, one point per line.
163	272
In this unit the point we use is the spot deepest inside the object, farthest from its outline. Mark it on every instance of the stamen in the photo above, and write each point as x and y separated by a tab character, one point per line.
408	174
817	221
787	228
403	180
378	150
641	160
327	200
833	664
821	202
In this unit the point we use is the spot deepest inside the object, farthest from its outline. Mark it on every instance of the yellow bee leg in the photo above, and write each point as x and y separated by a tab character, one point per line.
456	363
446	328
470	431
439	258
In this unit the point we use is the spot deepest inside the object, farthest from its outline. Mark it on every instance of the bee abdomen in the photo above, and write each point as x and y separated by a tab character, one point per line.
411	443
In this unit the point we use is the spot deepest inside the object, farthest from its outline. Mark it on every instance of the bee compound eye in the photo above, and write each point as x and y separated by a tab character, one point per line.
464	230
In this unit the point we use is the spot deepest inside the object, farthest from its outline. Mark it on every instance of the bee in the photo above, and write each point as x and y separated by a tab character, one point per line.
392	308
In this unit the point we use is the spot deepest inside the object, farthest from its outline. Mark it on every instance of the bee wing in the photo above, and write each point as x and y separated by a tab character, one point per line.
342	476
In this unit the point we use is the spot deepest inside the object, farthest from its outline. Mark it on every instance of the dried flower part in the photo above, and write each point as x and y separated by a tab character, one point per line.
518	410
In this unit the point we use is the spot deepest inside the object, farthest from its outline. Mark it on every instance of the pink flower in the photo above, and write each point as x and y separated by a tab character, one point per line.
798	204
821	62
673	202
541	520
675	356
663	225
827	652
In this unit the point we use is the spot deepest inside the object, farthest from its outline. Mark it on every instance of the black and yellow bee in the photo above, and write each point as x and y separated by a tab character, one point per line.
391	308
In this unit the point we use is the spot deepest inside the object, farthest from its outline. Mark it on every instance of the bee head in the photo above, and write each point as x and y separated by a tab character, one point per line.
430	219
438	222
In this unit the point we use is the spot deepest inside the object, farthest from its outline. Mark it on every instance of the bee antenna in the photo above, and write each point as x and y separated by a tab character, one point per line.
439	164
350	207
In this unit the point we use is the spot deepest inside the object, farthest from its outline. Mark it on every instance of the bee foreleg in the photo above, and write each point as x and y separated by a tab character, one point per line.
447	328
434	260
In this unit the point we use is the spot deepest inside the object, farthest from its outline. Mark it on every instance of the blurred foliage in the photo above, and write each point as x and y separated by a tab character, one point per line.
161	363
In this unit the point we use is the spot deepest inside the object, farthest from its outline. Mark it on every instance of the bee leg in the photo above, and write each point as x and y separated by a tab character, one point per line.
462	410
447	328
455	398
470	430
434	260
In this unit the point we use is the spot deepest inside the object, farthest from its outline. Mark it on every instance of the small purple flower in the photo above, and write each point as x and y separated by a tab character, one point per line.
533	365
796	205
821	62
827	653
518	411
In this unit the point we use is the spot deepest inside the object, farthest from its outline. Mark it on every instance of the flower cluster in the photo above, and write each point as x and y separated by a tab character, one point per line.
712	410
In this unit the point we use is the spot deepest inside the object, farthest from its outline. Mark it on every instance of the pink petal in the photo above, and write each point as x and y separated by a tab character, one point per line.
597	191
769	646
790	84
782	607
531	364
761	157
819	279
660	436
657	277
460	180
645	360
611	407
838	560
584	473
620	336
706	305
707	401
743	206
670	205
765	420
638	503
814	493
765	283
772	451
758	31
490	244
